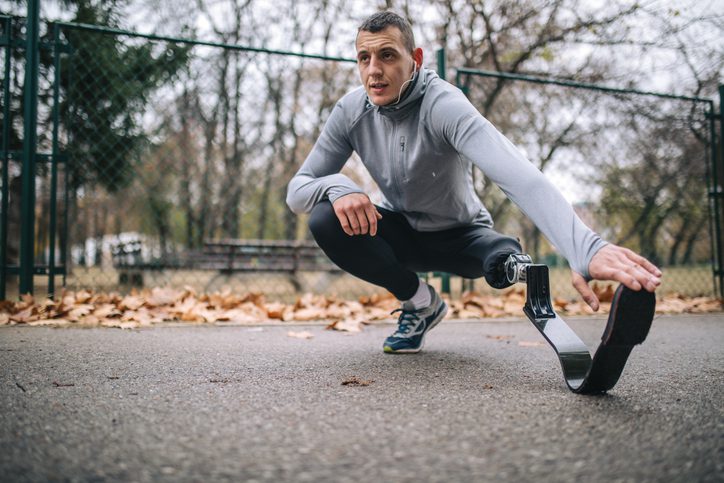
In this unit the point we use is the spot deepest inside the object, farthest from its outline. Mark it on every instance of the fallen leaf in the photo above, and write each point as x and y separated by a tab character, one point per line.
375	313
79	311
121	324
107	311
356	381
43	322
142	316
526	343
131	302
89	320
24	316
513	307
603	292
300	335
560	303
338	311
242	316
347	325
27	300
82	297
163	296
308	314
275	310
493	312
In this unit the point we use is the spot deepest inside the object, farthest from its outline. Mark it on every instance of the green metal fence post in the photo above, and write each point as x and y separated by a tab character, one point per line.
65	240
30	122
441	63
718	172
445	286
54	160
7	30
710	200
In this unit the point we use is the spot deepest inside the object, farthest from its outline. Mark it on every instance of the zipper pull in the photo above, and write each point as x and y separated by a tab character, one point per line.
402	143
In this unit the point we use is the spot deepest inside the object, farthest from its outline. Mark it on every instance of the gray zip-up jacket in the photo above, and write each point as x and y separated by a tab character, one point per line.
420	153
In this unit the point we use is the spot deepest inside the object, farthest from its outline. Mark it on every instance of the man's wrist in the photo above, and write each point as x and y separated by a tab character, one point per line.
332	197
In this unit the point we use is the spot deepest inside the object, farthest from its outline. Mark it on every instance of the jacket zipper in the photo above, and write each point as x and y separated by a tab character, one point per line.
403	171
396	168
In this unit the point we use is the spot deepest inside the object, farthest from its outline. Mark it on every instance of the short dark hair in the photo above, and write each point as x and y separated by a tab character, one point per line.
381	20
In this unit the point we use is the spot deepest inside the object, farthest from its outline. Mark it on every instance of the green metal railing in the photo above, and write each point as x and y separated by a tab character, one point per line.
29	157
185	41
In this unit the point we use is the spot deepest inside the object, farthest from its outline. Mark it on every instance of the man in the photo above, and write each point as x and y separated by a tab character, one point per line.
419	136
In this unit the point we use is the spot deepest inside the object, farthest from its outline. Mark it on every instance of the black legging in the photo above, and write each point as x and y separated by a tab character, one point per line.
391	258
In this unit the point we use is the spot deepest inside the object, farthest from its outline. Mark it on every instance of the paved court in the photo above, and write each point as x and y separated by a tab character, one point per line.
485	401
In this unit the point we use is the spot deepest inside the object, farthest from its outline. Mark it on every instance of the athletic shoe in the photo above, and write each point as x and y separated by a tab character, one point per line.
414	324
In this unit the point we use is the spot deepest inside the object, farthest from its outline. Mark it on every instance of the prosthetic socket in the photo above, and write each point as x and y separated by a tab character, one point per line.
520	268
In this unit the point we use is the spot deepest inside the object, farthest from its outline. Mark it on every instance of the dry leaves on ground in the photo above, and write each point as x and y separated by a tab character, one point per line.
151	306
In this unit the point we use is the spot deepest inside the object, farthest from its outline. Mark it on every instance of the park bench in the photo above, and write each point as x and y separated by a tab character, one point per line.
226	257
230	256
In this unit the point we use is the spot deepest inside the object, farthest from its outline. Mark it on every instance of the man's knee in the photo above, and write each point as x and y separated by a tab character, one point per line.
323	222
494	266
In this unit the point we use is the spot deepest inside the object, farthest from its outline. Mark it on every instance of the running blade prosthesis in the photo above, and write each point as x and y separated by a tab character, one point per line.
628	324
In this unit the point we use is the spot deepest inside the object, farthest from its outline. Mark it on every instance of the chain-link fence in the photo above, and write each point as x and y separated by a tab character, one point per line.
172	159
634	165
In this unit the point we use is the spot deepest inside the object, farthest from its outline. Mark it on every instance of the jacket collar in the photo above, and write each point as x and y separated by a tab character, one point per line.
414	92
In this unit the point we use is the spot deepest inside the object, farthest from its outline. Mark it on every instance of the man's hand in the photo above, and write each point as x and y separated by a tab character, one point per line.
620	264
356	214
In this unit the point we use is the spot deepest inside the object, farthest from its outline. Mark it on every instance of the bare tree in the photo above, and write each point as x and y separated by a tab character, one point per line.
237	150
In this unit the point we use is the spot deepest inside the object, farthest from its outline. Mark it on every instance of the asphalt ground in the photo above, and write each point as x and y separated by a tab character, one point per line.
485	401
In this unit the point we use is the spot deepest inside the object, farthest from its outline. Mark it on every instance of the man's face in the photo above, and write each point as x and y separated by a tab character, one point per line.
384	64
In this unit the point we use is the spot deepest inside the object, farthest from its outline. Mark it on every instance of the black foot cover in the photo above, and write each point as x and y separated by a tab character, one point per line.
628	324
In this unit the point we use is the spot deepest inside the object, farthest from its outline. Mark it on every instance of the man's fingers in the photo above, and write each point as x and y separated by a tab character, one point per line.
636	276
344	222
622	273
356	214
373	215
628	278
580	284
625	266
646	273
362	223
643	262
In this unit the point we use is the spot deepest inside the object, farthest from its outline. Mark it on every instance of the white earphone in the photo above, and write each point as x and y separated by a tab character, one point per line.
414	71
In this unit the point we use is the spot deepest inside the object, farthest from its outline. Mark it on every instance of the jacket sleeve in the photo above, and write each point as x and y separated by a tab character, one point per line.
476	139
318	178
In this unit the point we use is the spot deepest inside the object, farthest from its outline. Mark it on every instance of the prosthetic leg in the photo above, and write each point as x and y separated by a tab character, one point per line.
628	324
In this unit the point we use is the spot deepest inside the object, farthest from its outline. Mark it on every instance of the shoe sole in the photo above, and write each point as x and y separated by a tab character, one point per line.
629	322
437	320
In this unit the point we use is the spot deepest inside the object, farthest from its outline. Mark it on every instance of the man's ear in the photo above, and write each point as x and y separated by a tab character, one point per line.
417	57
